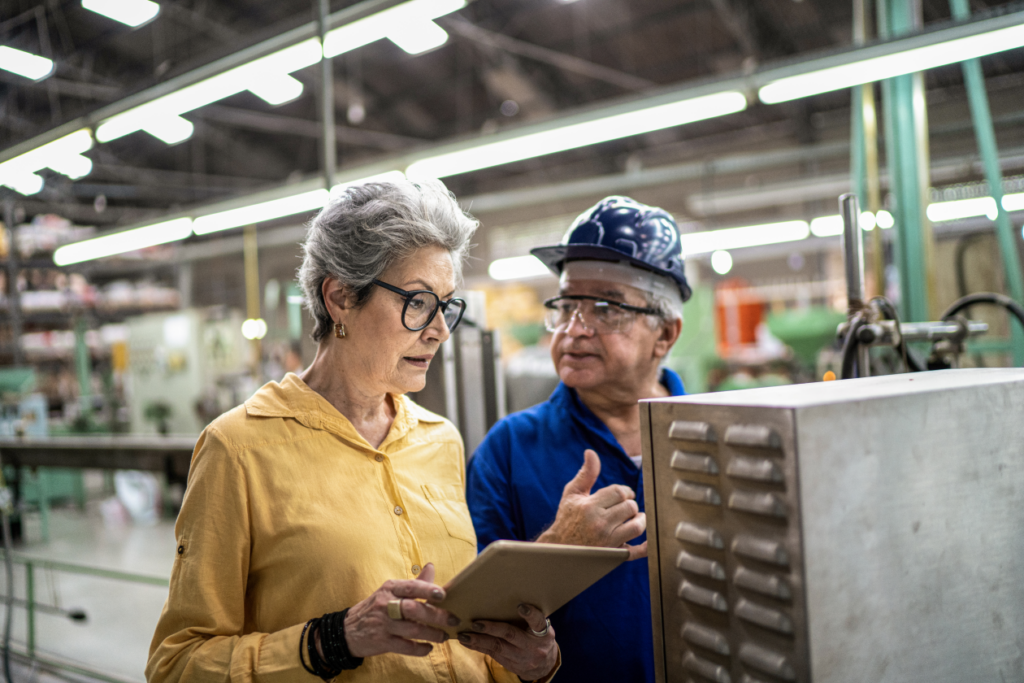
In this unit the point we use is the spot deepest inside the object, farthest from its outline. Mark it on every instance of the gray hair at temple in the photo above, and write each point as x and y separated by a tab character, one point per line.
367	228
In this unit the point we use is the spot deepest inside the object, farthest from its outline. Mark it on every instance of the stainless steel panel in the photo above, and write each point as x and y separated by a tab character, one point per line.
869	530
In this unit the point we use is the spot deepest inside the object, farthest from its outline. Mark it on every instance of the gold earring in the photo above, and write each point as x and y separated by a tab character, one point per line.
339	330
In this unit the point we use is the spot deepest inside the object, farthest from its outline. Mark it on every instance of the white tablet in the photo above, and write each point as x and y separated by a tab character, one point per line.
510	573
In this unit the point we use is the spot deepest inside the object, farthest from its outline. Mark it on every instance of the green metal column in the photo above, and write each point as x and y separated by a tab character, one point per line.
903	118
985	134
30	606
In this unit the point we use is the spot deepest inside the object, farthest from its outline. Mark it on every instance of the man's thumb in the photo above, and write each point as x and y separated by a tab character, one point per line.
585	479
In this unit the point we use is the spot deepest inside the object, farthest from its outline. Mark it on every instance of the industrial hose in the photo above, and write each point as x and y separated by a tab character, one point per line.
850	343
1011	306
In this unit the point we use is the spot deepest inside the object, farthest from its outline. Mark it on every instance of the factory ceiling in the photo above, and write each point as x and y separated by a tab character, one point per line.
506	63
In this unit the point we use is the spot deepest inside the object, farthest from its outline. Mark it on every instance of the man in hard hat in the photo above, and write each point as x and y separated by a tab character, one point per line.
568	470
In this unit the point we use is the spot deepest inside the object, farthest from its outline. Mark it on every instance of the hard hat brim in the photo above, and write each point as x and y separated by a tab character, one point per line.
554	258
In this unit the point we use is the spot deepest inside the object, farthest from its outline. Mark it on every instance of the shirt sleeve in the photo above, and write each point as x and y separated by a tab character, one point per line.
199	636
489	489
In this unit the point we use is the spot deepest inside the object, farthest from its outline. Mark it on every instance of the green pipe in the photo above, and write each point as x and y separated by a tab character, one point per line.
895	18
30	607
985	134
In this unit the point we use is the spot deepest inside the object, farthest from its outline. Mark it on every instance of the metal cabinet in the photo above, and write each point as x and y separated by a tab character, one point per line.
863	530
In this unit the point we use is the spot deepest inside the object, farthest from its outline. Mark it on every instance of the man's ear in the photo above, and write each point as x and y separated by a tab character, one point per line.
338	298
668	334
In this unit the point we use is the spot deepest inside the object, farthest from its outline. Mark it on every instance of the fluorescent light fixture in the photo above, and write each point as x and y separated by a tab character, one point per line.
264	211
267	77
63	155
1013	202
517	268
577	135
419	37
121	242
884	219
939	212
888	66
25	64
721	262
748	236
170	129
409	25
277	88
829	226
131	12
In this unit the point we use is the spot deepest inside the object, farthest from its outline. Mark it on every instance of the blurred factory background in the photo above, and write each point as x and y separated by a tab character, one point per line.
158	162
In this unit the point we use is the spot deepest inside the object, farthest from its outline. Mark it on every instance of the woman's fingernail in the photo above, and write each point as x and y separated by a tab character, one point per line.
453	620
478	626
524	610
464	638
437	594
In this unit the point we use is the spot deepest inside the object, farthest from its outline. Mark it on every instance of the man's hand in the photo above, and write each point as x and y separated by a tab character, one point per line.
608	518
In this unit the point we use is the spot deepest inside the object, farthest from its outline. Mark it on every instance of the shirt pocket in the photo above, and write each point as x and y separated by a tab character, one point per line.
450	505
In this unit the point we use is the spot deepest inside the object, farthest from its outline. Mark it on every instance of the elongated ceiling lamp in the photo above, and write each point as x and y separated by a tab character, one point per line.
120	242
64	155
25	64
891	65
132	13
564	137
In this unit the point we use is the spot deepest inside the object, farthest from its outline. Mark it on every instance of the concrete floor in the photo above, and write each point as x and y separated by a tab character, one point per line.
121	616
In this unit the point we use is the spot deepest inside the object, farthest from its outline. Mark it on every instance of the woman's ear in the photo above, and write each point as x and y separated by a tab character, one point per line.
337	297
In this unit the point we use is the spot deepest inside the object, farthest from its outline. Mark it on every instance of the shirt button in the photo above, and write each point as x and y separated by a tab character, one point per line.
398	509
379	458
416	569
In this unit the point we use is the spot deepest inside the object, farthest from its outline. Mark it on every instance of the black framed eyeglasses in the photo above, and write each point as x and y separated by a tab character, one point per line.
421	306
600	315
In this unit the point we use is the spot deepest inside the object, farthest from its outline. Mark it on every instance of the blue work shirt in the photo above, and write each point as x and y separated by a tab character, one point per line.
514	484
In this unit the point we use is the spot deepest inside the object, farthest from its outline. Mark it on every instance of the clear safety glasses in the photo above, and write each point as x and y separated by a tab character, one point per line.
421	306
594	313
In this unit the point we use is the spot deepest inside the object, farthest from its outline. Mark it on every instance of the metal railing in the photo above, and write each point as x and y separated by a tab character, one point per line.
30	655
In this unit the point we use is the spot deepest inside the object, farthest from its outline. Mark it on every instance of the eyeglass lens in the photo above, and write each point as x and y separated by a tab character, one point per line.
600	316
421	307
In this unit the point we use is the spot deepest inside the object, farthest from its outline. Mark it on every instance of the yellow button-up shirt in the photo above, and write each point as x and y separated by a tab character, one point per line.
290	514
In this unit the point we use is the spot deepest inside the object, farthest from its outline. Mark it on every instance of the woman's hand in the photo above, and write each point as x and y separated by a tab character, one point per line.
526	655
370	631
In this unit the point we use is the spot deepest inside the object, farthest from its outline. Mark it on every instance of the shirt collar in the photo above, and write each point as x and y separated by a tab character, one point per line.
293	398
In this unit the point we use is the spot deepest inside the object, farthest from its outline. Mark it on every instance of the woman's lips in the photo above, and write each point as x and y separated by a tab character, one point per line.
418	361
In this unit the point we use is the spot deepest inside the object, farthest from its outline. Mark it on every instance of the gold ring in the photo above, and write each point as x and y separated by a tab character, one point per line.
540	634
395	609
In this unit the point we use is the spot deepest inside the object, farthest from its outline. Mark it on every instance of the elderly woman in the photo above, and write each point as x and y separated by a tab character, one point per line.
324	515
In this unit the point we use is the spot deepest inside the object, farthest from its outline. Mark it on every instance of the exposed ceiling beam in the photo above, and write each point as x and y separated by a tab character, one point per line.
276	123
542	54
79	89
737	19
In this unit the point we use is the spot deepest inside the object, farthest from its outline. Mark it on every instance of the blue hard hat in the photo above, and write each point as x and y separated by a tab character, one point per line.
621	229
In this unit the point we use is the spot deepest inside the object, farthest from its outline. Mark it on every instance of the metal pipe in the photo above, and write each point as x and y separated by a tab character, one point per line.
13	296
984	132
328	143
30	598
853	262
853	252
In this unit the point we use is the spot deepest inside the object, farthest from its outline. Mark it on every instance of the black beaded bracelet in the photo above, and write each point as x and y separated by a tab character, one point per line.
337	658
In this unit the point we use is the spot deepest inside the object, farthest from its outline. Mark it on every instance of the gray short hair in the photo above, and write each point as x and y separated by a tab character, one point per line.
367	228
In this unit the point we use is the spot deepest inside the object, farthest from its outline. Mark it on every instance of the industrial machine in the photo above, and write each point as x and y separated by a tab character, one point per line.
179	361
861	530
